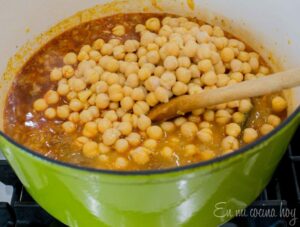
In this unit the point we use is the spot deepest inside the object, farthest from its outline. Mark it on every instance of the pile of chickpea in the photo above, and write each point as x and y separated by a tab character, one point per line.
109	87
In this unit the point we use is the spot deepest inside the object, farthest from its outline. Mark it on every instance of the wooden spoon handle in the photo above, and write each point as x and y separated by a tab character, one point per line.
251	88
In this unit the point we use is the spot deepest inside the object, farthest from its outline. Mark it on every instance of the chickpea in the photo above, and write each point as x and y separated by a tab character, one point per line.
110	136
121	145
153	24
119	52
150	144
63	112
111	115
125	128
83	56
179	88
95	111
249	135
97	45
151	99
50	113
205	65
190	49
131	46
56	74
227	54
167	152
102	101
195	119
236	65
171	49
101	87
155	132
183	75
51	97
189	130
90	149
168	126
204	51
80	141
207	155
238	117
162	94
209	115
167	80
266	128
274	120
63	89
103	124
127	91
121	163
140	155
134	139
86	48
90	129
95	55
84	95
229	143
254	63
138	94
233	129
222	80
190	150
179	121
127	103
222	117
132	81
140	108
91	76
76	105
74	117
184	62
245	106
205	135
103	149
68	71
278	104
204	124
86	116
114	42
210	78
69	127
40	105
118	30
77	85
153	57
237	76
143	123
152	83
131	68
107	49
71	95
171	63
144	73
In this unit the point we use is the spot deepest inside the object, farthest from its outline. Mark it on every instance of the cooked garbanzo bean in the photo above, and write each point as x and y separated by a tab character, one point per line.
101	91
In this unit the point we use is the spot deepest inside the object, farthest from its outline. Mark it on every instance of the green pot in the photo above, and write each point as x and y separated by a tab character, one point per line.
203	194
196	195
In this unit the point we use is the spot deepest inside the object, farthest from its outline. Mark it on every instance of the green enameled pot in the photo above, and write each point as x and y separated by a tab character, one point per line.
196	195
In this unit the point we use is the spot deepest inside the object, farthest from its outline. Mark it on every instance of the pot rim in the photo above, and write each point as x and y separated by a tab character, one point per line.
245	149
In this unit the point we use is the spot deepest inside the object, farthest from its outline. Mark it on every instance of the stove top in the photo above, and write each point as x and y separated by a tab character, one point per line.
282	196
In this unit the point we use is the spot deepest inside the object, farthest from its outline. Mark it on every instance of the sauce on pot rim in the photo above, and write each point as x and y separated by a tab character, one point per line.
84	97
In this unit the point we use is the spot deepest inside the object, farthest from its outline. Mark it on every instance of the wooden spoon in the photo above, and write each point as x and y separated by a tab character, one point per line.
247	89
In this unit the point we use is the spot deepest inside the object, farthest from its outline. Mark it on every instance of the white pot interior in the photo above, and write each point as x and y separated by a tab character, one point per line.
270	27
